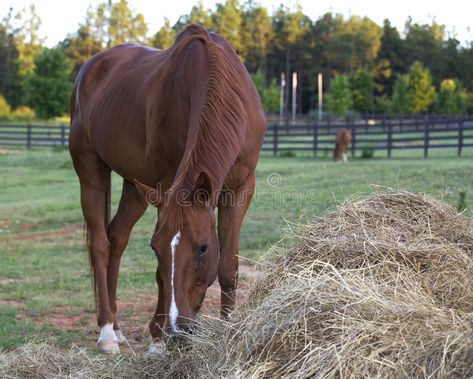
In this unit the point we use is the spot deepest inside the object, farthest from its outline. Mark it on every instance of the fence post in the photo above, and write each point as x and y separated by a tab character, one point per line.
275	140
28	136
460	137
315	141
426	136
390	138
352	127
63	135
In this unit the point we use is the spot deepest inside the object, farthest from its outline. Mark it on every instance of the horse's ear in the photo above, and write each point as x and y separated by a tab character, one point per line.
203	189
152	195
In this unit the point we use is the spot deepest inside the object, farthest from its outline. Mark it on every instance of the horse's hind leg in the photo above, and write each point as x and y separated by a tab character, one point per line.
94	178
131	208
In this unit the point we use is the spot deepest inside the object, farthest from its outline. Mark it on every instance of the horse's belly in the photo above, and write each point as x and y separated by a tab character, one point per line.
122	151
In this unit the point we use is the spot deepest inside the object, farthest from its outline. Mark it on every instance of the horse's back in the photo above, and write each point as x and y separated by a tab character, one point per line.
115	73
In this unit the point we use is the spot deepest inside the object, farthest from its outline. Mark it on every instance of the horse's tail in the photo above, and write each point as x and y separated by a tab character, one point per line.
107	213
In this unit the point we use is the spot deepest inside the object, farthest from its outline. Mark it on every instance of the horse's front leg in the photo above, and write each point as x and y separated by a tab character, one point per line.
231	211
156	324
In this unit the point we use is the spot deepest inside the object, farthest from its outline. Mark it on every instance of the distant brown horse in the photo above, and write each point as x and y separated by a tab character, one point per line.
341	145
184	128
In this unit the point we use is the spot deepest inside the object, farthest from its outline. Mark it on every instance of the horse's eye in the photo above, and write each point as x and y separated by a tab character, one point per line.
203	249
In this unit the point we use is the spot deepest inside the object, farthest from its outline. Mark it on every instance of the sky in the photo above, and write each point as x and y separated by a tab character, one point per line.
60	17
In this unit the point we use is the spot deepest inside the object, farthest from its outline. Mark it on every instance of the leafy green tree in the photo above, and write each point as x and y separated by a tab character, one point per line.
269	95
469	102
97	21
339	100
289	26
198	15
10	85
256	33
124	25
391	56
20	43
451	98
421	90
423	43
466	63
28	43
48	86
401	98
105	25
5	110
113	22
80	46
165	37
355	44
362	90
227	22
324	30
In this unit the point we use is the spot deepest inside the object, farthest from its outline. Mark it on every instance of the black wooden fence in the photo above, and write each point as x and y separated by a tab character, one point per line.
304	134
33	135
372	133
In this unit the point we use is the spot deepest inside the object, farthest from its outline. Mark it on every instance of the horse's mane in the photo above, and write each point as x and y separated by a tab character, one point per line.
221	127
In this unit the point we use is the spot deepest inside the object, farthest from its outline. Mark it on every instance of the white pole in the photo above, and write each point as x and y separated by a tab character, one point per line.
320	87
281	97
294	95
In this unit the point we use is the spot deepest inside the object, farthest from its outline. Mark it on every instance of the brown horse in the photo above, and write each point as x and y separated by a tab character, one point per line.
341	145
184	128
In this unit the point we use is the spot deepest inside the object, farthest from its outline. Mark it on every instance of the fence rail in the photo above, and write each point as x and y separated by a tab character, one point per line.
33	135
303	134
380	133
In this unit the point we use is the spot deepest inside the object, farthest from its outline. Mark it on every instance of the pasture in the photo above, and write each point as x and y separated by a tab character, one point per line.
45	291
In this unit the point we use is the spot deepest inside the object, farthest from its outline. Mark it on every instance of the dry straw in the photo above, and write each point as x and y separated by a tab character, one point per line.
379	288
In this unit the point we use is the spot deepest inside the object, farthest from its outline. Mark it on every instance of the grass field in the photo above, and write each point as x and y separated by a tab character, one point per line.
44	277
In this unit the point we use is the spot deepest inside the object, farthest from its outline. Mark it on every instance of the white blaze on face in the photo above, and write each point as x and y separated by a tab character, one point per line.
173	311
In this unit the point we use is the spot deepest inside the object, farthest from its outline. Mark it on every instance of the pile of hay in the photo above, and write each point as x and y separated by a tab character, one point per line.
381	287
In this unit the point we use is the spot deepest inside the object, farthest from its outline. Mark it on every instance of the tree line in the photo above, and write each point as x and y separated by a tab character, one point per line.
366	67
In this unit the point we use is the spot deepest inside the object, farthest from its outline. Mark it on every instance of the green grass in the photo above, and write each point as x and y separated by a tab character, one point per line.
43	266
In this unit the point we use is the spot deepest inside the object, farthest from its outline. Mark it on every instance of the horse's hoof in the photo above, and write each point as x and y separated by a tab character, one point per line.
156	349
108	347
120	337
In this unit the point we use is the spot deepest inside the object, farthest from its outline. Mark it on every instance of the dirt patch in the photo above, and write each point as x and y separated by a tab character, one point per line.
5	301
24	233
11	303
66	318
8	281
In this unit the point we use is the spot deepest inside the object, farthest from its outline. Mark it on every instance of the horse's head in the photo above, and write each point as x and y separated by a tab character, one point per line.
186	246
